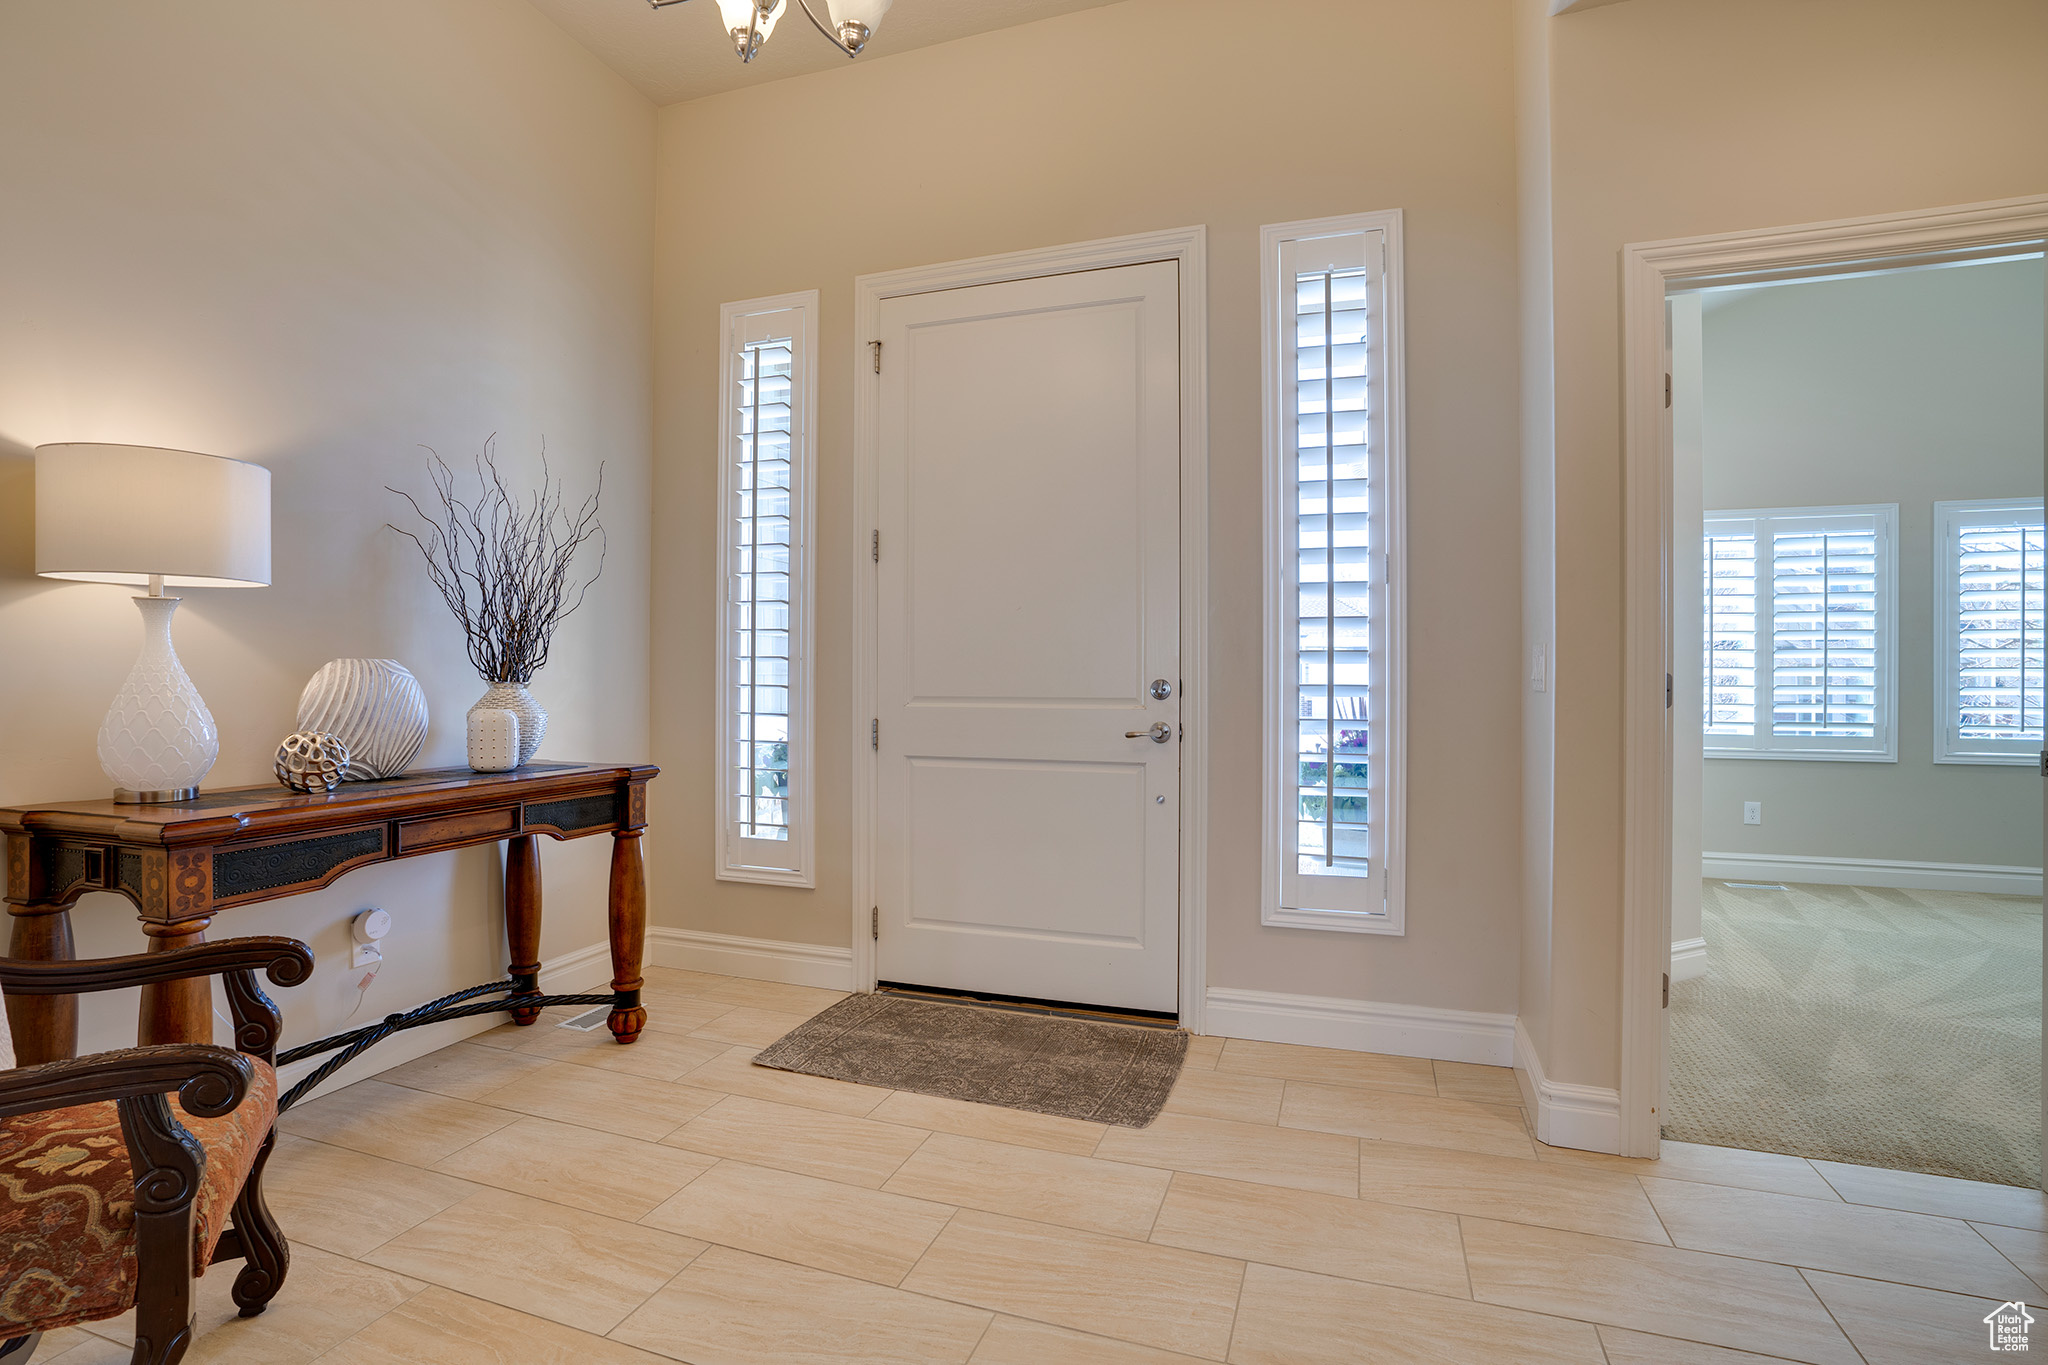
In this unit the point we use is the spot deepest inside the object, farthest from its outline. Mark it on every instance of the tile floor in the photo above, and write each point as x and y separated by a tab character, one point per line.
546	1197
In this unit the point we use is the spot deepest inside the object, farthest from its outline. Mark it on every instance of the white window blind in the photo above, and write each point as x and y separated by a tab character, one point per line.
1333	638
1730	615
1800	633
1992	590
768	386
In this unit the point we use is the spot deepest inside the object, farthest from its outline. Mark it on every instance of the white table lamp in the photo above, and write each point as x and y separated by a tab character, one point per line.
161	518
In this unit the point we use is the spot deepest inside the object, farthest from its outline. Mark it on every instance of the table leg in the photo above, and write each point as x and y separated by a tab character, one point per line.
628	922
45	1026
522	918
176	1011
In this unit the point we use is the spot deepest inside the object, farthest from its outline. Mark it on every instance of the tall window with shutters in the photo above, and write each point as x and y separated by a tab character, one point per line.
767	394
1334	588
1801	621
1991	595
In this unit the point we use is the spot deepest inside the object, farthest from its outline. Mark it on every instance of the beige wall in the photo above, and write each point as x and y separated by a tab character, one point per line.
1671	118
1133	117
1911	389
315	236
1538	453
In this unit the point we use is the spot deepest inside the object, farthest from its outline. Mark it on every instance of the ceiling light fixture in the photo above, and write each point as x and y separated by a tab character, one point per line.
749	22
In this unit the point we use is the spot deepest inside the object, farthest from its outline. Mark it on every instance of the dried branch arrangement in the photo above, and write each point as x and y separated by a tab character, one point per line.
504	563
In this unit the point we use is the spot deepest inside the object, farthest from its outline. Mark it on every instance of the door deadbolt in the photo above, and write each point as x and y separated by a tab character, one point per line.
1161	689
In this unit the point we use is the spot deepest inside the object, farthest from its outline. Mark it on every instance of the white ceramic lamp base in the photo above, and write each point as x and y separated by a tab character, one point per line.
158	739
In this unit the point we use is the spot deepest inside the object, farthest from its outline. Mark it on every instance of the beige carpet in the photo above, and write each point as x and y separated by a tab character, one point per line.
1075	1068
1885	1028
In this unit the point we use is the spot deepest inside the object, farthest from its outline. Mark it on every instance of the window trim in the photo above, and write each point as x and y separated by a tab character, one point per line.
1279	568
1948	748
799	867
1762	747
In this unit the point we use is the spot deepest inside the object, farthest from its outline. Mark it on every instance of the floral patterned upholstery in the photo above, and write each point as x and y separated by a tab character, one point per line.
67	1205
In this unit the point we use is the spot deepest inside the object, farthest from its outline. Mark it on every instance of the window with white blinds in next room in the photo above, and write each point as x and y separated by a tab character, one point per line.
1333	633
1801	619
767	387
1993	614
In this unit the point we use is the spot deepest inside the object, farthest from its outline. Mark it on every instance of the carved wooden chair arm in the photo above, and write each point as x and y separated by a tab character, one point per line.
286	961
210	1081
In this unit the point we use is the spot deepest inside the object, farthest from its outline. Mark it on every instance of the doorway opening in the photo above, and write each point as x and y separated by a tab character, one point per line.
1858	619
1655	577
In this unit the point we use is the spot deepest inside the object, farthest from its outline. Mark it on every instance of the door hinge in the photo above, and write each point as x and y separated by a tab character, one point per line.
876	346
1667	390
875	924
876	551
1667	691
875	735
1667	990
2044	763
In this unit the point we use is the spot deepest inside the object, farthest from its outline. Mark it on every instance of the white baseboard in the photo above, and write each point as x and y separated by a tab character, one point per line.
1361	1025
1587	1117
762	959
1688	959
1778	867
577	973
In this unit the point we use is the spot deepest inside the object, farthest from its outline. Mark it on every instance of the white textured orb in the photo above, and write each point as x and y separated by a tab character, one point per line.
375	707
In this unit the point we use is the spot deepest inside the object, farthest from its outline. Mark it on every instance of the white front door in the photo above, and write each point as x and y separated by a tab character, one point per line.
1029	617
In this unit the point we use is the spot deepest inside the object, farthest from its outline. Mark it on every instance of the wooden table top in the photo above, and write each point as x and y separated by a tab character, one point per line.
244	812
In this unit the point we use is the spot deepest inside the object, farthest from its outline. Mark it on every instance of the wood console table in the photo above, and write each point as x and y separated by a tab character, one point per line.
184	862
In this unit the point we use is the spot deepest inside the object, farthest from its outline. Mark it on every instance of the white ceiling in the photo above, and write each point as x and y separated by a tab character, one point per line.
682	53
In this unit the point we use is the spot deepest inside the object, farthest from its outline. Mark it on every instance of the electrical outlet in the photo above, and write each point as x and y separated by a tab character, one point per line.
367	955
1752	812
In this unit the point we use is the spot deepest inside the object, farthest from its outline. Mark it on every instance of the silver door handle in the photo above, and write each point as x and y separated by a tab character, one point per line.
1158	734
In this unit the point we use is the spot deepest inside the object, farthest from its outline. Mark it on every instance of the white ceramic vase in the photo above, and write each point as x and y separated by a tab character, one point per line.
533	722
375	707
493	740
158	738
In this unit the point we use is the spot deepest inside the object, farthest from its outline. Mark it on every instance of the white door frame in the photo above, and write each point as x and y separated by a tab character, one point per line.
1649	270
1189	247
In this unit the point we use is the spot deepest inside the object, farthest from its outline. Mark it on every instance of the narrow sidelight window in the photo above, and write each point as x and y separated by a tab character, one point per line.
1991	591
768	388
1801	620
1334	633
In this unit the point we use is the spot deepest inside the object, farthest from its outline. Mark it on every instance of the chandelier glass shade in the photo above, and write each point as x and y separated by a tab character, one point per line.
848	24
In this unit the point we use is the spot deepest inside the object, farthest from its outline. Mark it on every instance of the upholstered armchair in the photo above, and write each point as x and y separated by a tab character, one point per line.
110	1197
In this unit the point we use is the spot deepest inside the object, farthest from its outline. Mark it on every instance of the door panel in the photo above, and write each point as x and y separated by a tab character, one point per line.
1029	597
970	873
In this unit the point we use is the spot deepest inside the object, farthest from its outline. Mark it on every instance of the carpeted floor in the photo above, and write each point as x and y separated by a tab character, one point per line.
1879	1027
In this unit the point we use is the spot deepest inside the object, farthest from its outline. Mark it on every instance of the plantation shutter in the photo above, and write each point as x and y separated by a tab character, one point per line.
760	586
1818	583
1825	627
767	386
1995	566
1730	685
1334	724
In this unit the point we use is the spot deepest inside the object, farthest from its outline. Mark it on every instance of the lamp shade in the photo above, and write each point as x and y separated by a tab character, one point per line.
867	12
737	14
118	514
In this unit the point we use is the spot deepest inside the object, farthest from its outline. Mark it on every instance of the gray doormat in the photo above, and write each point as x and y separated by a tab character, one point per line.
1071	1068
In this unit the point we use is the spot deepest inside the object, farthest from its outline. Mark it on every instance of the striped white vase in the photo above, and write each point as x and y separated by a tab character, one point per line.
376	707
